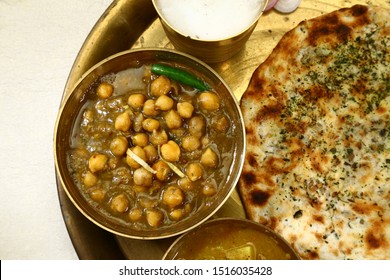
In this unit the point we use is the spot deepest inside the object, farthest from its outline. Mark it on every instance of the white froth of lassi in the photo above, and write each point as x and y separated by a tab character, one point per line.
210	19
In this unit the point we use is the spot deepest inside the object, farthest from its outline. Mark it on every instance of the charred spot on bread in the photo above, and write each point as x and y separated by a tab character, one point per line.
259	197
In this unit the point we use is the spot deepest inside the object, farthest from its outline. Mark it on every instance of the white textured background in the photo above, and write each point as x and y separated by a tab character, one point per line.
39	40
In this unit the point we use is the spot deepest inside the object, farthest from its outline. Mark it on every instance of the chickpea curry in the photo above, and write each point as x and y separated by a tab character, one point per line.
149	151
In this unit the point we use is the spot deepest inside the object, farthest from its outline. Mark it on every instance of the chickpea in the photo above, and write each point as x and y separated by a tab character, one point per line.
176	214
136	100
164	103
209	158
173	119
140	139
150	124
97	162
123	122
187	208
185	109
160	86
194	171
163	170
158	137
119	145
154	217
221	124
209	101
104	90
89	179
135	214
170	151
151	153
149	108
186	184
197	125
209	189
173	196
140	153
142	177
119	203
190	143
97	194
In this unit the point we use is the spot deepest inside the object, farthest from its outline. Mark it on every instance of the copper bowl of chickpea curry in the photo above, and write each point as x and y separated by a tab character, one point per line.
149	144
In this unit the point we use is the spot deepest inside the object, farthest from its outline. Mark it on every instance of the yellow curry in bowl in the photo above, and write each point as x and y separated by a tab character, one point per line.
231	239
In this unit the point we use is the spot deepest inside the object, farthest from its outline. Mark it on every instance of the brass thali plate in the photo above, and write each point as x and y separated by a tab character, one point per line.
131	24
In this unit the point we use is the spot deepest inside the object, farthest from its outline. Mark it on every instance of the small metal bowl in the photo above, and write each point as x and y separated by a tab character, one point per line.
231	238
70	110
210	51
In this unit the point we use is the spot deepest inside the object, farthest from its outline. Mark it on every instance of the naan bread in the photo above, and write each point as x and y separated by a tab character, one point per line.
317	115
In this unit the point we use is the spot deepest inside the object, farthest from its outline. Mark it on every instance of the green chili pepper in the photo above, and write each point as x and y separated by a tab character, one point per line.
179	75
